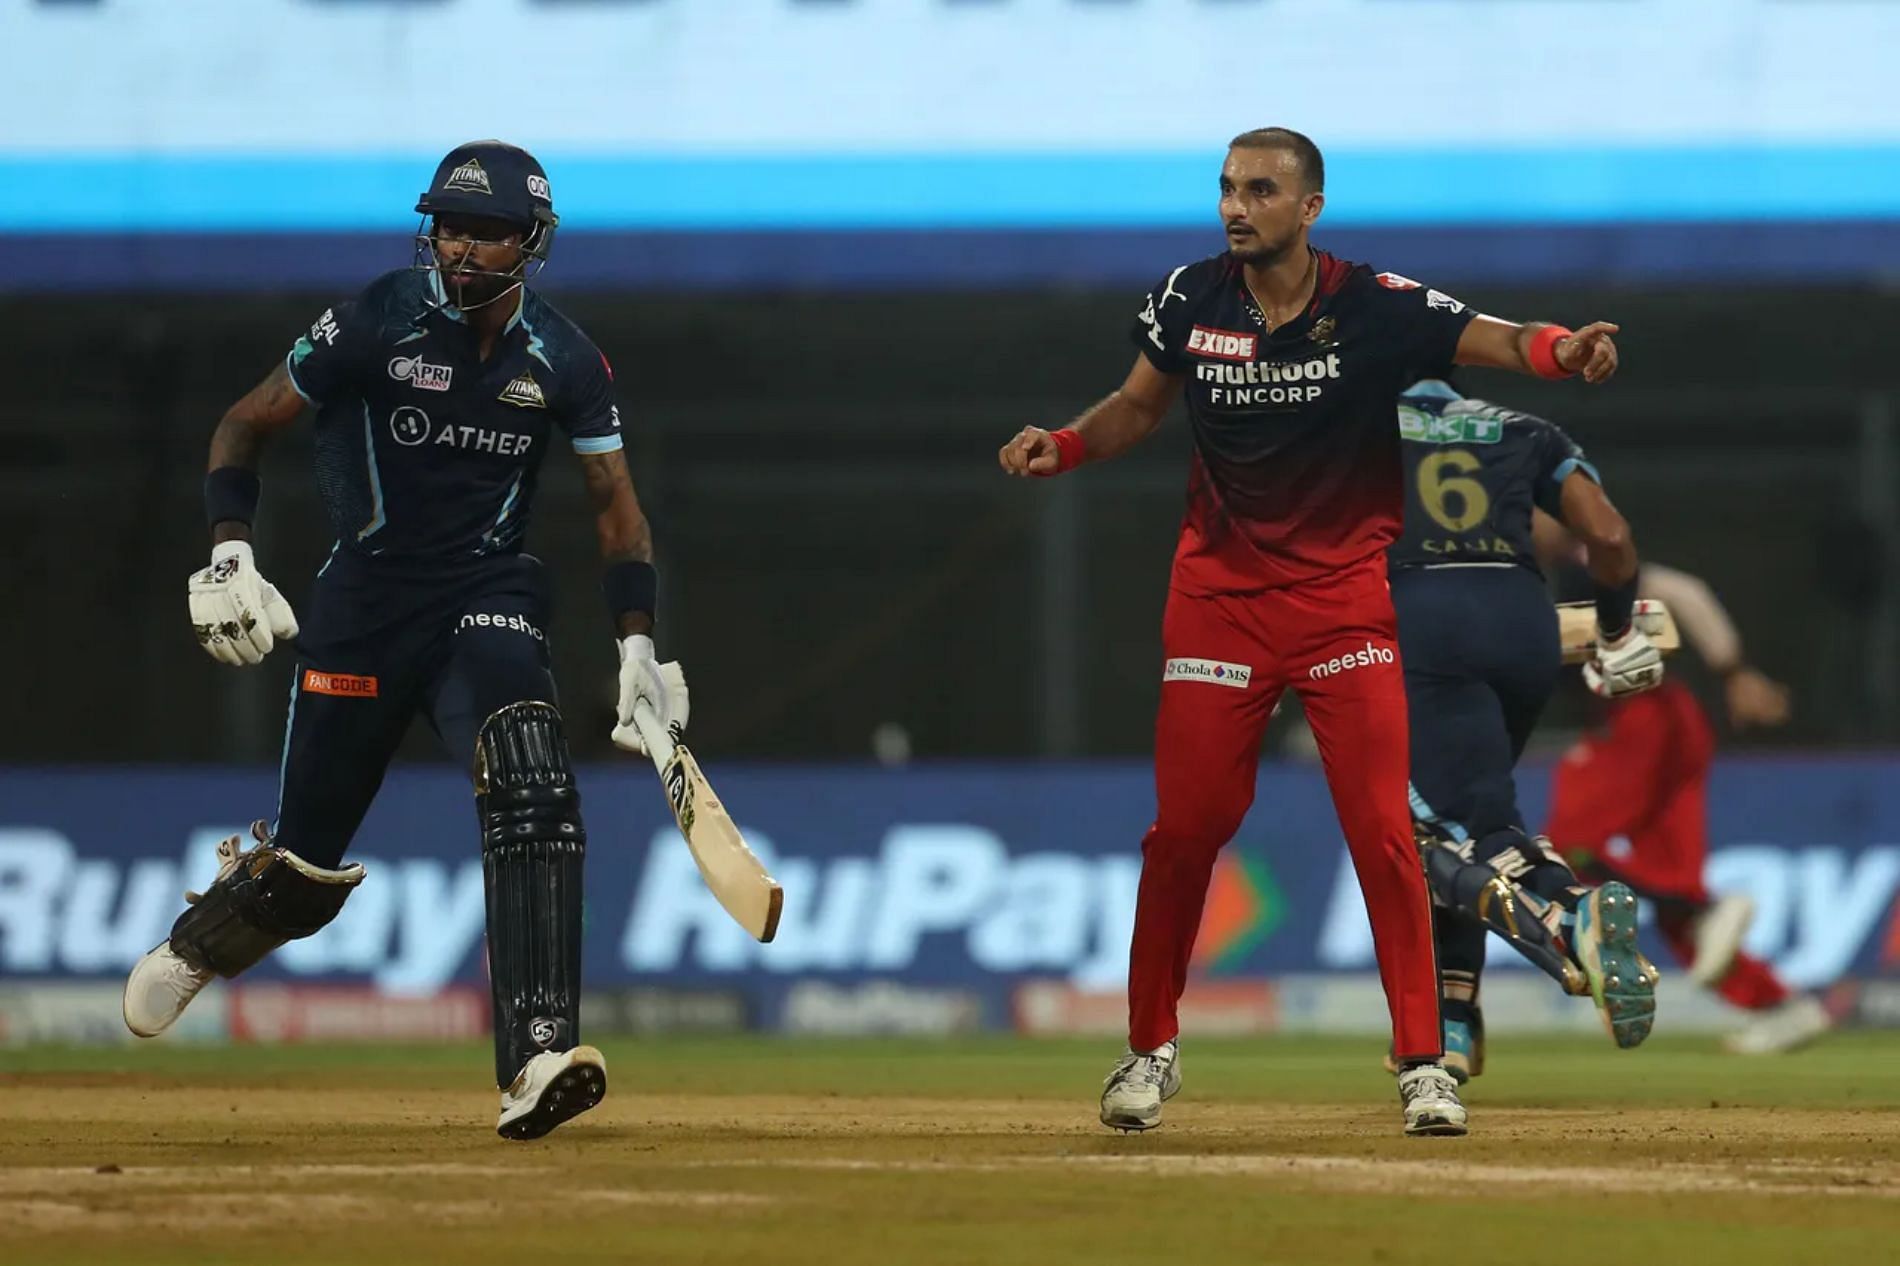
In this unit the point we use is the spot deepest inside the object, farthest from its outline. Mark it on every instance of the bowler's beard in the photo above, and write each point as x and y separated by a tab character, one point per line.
1261	253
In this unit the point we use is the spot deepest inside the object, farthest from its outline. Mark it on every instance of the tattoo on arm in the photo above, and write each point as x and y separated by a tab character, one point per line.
624	534
269	407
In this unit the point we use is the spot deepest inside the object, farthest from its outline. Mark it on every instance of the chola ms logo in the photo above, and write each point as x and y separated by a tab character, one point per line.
1370	653
469	176
1213	671
419	372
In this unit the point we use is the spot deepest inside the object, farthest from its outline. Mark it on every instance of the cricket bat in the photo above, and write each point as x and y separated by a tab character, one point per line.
731	870
1577	628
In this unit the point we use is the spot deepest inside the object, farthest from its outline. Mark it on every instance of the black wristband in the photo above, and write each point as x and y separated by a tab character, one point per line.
1616	606
231	496
630	586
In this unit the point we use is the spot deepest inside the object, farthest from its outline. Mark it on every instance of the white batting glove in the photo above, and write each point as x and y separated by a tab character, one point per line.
237	614
1627	666
662	687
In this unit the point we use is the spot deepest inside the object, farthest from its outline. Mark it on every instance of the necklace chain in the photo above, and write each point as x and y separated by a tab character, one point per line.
1258	311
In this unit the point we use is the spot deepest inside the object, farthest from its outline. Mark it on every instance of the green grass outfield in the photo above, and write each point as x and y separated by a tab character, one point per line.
768	1150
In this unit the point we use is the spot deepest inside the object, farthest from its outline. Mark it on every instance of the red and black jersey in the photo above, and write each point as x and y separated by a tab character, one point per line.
1296	459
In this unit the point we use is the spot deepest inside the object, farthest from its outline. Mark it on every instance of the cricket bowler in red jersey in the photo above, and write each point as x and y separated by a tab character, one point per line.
1290	359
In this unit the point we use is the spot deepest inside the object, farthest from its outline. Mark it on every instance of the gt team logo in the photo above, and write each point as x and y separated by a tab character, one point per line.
420	373
325	330
525	392
1367	655
409	425
1225	344
1215	672
538	187
469	177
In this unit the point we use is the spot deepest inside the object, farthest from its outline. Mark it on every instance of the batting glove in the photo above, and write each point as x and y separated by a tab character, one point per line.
662	687
237	614
1627	665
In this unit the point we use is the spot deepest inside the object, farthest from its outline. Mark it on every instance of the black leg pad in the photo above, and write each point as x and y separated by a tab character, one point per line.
533	850
259	900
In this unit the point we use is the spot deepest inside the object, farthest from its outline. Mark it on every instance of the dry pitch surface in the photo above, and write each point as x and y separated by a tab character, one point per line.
768	1151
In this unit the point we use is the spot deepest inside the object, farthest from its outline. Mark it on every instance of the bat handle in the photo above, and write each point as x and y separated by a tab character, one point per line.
659	742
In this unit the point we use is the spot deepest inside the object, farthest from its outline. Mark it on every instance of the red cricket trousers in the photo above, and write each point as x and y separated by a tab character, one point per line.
1643	780
1335	641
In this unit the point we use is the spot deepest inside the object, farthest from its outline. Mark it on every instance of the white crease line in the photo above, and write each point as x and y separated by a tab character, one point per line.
1357	1171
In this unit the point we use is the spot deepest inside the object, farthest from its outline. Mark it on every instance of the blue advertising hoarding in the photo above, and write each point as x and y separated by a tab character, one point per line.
970	878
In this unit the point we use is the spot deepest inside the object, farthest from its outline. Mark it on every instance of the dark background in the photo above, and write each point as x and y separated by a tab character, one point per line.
838	551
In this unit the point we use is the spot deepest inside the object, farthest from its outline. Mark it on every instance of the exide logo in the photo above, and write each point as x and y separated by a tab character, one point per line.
1222	343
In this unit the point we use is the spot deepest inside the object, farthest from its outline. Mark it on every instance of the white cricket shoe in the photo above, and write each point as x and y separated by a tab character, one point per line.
159	989
551	1088
1794	1023
1430	1096
1135	1089
1718	938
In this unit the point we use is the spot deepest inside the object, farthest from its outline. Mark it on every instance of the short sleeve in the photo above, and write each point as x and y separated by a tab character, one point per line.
588	413
1161	327
327	360
1427	324
1557	457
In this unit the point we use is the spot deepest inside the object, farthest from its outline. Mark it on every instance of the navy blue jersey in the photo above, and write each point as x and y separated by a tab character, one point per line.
1296	469
1473	472
424	451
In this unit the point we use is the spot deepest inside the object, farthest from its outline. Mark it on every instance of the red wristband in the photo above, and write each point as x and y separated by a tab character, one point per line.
1543	352
1069	449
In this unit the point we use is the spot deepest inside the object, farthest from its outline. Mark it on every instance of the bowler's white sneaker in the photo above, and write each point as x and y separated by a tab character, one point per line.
1794	1023
1431	1101
1718	938
551	1088
159	989
1139	1083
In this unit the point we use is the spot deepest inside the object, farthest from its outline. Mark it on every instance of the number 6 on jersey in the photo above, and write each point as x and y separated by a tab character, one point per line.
731	870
